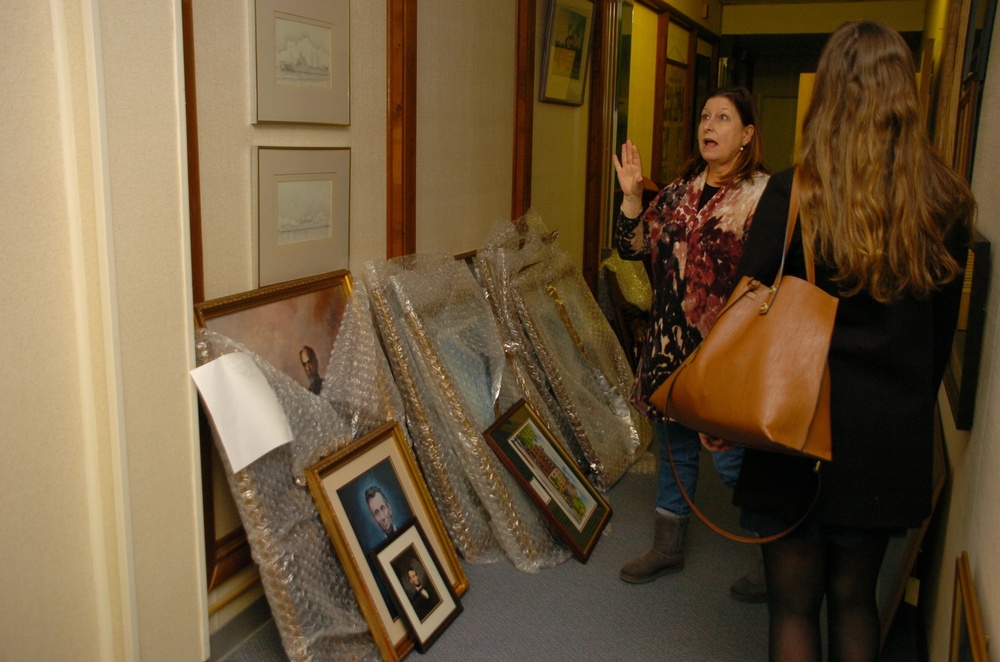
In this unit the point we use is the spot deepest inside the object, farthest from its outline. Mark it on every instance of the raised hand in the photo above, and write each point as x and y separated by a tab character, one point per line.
629	170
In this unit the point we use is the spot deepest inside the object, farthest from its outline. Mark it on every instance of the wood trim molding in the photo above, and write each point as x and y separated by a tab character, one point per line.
524	108
597	199
194	173
401	127
950	77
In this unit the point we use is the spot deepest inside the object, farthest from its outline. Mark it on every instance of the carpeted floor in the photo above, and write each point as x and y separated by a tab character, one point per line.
584	612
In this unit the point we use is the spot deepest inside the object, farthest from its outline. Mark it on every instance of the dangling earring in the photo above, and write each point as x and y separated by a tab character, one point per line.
742	146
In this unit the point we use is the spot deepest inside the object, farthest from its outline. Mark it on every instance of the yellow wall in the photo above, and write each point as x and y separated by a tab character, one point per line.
559	157
642	84
823	17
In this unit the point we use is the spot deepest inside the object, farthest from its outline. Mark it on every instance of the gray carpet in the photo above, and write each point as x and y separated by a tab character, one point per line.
584	612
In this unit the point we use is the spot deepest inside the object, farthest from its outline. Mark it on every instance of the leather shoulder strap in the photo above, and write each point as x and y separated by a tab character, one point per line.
793	217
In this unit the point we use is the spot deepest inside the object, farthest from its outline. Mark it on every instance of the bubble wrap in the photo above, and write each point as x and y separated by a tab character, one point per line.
582	360
441	339
523	364
313	604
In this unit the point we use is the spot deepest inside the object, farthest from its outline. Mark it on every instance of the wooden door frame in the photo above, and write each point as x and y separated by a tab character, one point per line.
401	128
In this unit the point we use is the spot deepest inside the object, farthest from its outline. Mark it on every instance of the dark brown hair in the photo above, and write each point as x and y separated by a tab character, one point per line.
751	159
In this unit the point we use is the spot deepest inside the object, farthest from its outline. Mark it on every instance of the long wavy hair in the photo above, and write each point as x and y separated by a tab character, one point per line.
876	201
751	159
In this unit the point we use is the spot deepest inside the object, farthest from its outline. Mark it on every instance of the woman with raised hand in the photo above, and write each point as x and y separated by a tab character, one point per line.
693	234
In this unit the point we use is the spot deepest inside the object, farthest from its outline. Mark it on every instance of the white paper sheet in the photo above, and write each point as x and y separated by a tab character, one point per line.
246	414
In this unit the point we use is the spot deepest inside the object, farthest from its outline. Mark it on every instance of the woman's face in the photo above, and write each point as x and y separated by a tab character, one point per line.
721	134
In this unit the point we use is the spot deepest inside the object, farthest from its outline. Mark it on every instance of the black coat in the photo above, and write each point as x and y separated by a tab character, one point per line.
886	363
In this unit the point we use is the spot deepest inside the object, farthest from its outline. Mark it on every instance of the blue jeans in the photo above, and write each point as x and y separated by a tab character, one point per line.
686	446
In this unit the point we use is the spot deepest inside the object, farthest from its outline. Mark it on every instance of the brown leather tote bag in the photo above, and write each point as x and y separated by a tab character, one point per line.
760	377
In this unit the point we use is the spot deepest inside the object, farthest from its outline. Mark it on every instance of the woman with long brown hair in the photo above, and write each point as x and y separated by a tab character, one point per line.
888	225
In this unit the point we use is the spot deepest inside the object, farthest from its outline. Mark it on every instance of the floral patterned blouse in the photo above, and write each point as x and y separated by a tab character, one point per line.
694	250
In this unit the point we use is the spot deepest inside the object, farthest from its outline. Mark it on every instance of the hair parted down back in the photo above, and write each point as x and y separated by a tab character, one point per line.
876	201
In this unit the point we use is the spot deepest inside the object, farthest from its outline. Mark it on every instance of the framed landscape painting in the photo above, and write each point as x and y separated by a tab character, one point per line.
575	509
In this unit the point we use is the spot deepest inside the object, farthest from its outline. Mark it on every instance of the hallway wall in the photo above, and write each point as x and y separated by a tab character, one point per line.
100	509
970	513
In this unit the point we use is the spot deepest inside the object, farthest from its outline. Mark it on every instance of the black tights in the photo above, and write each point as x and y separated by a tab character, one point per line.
799	575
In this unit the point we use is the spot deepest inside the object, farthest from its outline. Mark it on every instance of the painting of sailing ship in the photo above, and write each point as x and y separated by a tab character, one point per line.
302	53
305	210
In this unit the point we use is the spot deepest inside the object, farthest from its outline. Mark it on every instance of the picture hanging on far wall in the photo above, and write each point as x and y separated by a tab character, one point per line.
301	64
566	51
301	210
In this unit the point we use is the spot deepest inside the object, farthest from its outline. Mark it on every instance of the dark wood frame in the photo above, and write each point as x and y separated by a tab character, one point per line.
499	435
401	126
600	133
962	373
422	640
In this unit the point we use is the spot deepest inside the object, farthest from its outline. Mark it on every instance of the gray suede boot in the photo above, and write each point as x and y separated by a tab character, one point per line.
666	555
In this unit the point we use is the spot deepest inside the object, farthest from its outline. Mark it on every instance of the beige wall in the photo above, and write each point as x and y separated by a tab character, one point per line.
226	137
971	510
465	121
101	507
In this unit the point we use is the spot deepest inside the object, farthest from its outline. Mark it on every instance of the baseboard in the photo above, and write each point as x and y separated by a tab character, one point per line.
243	626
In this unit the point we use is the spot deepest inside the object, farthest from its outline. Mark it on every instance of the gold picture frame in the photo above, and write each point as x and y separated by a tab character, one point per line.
370	492
308	311
566	52
968	641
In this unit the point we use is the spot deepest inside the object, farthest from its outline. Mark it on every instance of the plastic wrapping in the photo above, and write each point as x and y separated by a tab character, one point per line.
359	383
313	604
446	354
584	366
311	600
